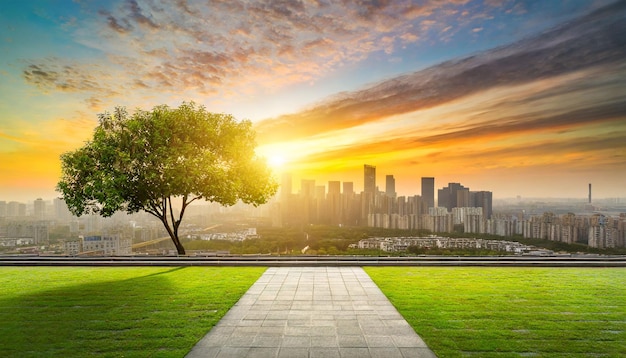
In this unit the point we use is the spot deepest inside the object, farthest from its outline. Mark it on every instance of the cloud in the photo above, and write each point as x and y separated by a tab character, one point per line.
56	75
592	41
222	47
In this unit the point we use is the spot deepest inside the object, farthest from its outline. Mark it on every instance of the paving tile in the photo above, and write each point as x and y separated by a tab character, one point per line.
385	352
379	341
214	340
324	341
354	352
231	352
296	341
351	341
312	312
324	353
288	352
261	352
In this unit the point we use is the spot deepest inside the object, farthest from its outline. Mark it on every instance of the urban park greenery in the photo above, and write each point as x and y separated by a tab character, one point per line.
114	312
162	160
511	312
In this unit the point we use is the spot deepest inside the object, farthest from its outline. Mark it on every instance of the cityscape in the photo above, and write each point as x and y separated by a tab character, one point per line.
313	178
48	226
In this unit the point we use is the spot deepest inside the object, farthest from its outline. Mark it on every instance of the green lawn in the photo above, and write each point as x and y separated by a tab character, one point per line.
512	312
113	312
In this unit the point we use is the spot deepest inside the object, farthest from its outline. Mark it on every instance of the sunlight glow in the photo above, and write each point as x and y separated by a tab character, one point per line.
276	161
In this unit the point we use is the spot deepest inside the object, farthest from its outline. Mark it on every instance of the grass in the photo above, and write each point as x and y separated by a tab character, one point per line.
512	312
114	312
163	312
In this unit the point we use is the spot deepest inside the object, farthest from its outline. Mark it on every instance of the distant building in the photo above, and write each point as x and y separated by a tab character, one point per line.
61	211
15	209
107	245
390	186
483	199
369	179
333	203
447	196
73	247
35	230
428	191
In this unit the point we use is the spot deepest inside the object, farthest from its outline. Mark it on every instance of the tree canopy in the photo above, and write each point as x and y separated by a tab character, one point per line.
146	160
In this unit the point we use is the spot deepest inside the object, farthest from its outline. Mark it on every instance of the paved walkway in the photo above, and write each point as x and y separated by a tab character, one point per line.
312	312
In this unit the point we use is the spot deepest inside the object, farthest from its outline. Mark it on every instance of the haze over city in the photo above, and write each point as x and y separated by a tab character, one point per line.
517	98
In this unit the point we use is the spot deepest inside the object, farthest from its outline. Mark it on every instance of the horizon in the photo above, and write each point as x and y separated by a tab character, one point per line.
502	96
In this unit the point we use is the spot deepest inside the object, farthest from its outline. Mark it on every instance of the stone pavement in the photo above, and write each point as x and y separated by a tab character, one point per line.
312	312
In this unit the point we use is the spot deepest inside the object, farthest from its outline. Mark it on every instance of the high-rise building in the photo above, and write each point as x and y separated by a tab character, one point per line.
463	198
369	179
333	201
307	188
348	187
285	185
334	187
447	197
61	211
39	209
16	209
390	186
484	199
428	191
286	202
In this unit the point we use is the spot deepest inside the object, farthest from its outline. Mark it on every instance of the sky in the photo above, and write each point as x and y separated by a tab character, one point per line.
515	97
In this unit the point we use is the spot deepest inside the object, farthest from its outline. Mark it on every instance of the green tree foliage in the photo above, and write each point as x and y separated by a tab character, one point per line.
151	159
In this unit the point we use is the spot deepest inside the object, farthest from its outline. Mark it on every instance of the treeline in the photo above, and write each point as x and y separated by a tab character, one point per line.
334	240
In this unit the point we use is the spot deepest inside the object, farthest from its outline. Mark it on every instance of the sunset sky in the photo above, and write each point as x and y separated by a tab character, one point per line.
516	97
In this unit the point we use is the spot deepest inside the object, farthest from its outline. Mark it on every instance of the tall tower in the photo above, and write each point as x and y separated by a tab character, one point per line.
285	198
390	186
589	193
369	178
39	209
448	195
428	191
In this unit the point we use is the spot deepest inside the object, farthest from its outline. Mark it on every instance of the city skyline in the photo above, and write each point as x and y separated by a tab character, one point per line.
518	98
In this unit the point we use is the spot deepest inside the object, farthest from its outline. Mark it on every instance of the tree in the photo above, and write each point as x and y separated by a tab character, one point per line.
151	159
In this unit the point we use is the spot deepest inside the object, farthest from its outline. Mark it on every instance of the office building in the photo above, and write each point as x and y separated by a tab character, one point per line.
39	209
447	196
428	191
390	186
369	179
483	199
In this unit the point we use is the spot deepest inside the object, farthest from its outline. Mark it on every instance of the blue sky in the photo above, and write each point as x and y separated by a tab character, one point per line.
62	62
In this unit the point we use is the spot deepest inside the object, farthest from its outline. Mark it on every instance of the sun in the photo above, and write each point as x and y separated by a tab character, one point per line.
276	161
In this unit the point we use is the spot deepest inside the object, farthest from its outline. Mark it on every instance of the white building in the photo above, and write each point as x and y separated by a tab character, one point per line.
107	245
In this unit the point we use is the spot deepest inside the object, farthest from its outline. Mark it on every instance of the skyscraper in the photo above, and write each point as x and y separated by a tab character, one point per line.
39	209
286	205
348	188
390	186
369	179
333	203
447	197
428	191
484	199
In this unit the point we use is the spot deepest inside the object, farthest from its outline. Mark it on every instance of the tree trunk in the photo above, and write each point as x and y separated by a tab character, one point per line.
174	236
179	246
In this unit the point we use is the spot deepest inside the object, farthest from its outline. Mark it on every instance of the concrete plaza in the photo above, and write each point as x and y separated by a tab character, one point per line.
312	312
